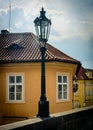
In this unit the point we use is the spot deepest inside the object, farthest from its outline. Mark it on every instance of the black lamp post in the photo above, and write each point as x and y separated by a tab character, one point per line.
42	26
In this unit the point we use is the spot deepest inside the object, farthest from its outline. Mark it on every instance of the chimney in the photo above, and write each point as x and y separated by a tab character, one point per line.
4	32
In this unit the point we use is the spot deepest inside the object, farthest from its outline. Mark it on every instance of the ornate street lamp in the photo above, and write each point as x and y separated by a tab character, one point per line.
42	26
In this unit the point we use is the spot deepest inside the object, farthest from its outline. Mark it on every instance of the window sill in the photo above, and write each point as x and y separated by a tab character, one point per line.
15	101
62	101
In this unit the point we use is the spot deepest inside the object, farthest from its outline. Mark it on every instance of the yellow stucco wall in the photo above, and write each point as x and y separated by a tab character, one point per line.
32	87
81	98
79	95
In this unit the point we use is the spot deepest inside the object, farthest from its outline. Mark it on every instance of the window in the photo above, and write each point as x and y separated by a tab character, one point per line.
15	87
62	87
87	90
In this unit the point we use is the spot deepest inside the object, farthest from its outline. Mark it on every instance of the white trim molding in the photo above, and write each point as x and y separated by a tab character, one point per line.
63	86
17	88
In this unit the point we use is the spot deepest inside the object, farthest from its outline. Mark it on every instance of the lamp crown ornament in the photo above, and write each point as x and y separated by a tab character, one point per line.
42	12
42	26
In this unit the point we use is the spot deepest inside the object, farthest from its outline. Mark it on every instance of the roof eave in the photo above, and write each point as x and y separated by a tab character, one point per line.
38	60
78	68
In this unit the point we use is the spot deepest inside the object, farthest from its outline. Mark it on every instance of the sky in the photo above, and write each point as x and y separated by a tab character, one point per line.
71	29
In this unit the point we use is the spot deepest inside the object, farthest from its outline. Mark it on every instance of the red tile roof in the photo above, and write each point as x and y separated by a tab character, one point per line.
82	74
24	47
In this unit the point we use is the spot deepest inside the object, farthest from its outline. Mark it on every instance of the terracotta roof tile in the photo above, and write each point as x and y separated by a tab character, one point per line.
24	47
82	74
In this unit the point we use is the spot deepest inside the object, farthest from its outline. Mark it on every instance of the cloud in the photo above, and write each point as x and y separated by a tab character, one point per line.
72	18
69	18
18	25
4	4
29	7
29	10
72	22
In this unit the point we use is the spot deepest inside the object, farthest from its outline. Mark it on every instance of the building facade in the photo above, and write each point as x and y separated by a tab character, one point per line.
84	95
20	76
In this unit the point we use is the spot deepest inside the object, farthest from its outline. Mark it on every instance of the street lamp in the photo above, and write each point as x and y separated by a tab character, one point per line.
42	26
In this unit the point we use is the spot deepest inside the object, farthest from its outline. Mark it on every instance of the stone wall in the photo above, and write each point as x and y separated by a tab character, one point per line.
77	119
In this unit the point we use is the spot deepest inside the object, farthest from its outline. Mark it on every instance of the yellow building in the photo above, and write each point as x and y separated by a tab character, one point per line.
20	76
84	95
89	73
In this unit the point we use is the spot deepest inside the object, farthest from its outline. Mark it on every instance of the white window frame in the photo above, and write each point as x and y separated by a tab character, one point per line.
62	99
7	92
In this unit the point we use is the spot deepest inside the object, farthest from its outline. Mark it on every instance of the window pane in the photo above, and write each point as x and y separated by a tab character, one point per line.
11	96
87	91
64	79
60	95
18	79
11	88
59	87
65	88
11	79
18	96
65	95
60	79
18	88
59	91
